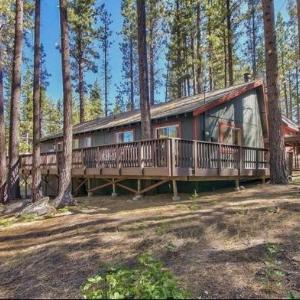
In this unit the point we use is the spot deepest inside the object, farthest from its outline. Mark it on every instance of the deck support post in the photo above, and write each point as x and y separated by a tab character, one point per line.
237	185
26	187
46	185
90	194
138	195
175	191
263	180
114	194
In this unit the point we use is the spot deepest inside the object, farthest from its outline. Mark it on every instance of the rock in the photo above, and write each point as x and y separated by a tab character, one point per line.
15	207
40	208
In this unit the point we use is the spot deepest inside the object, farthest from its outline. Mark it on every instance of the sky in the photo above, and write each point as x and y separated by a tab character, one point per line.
50	35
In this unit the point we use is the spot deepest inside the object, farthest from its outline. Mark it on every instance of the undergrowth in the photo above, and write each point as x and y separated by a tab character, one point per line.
148	280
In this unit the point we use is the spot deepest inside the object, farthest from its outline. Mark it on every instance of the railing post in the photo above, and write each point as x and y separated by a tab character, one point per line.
219	158
240	161
173	150
195	156
256	160
141	162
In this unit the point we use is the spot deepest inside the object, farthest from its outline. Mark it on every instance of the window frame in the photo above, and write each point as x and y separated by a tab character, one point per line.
167	125
231	125
118	133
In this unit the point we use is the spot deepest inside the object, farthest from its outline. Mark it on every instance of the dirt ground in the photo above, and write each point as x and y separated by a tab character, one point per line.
218	245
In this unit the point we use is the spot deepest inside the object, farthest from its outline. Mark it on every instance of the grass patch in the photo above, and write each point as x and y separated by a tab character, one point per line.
148	280
273	276
162	229
5	222
28	217
63	210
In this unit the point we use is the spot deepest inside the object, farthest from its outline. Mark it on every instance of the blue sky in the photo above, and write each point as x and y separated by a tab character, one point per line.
50	33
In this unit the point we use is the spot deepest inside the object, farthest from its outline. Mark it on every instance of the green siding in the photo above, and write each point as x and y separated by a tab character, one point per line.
244	112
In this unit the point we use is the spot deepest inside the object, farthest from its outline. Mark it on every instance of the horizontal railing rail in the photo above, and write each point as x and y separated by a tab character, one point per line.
173	156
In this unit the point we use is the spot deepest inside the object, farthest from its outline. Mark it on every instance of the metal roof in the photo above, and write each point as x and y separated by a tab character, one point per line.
158	111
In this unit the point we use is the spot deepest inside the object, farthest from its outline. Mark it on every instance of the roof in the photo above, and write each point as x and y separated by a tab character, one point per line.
172	108
290	124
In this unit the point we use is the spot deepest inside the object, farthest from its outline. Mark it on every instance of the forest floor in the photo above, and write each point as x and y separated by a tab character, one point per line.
224	244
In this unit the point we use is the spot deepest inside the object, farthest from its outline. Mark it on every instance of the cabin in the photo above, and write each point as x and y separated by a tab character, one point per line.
216	136
292	142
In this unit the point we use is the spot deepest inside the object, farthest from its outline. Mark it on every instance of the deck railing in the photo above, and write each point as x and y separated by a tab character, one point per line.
160	157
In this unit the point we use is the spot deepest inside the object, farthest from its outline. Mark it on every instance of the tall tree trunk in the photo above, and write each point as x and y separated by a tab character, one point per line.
194	79
106	72
3	196
64	194
298	62
297	94
13	167
210	51
178	56
167	82
278	167
36	159
131	76
290	96
225	59
229	43
151	73
253	31
143	71
80	81
199	57
298	17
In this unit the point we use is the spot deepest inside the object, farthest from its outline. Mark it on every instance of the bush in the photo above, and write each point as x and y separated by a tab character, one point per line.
149	280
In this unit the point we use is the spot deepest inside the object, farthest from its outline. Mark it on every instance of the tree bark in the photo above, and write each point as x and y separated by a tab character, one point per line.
143	71
253	31
278	167
3	196
298	17
36	156
297	94
229	43
151	73
106	72
81	81
131	76
13	166
64	194
199	57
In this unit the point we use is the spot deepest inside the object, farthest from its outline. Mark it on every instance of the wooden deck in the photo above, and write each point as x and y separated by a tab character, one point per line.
160	159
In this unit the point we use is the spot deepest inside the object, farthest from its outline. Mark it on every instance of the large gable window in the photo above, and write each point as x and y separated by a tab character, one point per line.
124	136
170	131
230	135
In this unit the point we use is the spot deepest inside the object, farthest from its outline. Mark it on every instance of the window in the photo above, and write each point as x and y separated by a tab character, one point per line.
87	142
75	143
230	135
124	136
171	131
59	146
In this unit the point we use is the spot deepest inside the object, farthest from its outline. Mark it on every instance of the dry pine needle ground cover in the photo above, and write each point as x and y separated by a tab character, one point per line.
225	244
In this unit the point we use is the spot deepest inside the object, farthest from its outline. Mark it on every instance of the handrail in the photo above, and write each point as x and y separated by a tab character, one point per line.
168	154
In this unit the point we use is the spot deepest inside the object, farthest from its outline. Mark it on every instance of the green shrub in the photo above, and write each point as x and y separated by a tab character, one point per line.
149	280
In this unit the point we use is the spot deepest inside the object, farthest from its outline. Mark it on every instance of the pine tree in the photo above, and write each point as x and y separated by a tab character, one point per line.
143	70
13	173
128	89
2	131
36	155
105	42
95	103
278	167
64	195
254	42
83	50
